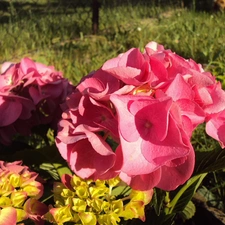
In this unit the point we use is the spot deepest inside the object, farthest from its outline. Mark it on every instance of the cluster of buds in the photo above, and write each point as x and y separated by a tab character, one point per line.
19	194
91	202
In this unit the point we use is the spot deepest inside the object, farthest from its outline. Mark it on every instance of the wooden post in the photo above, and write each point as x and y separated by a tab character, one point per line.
95	16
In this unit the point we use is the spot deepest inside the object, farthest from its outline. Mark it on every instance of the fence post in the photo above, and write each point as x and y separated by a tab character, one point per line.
95	16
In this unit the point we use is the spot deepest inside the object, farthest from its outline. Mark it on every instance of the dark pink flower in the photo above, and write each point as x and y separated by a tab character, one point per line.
30	94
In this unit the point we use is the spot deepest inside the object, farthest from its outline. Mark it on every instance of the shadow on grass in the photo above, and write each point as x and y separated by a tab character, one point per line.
22	9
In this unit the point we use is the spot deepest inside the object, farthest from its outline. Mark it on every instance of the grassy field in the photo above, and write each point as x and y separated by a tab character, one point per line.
63	38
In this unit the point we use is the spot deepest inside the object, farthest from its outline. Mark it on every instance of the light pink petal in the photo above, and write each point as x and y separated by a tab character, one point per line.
153	46
5	66
134	163
91	85
202	96
201	79
141	115
111	63
97	115
86	162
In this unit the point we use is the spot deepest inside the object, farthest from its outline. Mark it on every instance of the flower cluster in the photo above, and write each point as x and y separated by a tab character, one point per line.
30	95
134	118
19	194
89	203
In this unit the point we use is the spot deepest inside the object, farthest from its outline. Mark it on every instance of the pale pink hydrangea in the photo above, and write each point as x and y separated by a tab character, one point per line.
134	117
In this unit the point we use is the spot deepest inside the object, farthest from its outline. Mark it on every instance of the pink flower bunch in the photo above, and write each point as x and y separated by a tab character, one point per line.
30	95
19	194
134	117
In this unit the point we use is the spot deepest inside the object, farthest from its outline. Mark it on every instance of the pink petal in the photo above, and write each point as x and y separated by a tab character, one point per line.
142	182
132	159
132	58
8	216
175	145
90	157
10	110
218	97
183	92
27	65
215	127
174	176
192	110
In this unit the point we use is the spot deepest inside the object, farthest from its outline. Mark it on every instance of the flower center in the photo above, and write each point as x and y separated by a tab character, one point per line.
145	88
148	124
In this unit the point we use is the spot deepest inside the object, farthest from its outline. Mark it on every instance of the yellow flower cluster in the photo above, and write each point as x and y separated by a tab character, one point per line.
89	203
19	191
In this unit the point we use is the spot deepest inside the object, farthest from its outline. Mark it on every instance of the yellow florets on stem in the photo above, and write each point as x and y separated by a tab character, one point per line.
91	202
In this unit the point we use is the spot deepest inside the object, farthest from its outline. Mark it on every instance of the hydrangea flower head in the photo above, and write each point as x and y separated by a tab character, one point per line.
134	118
30	95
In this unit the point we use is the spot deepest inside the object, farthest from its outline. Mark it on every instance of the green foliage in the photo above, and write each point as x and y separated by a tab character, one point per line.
189	211
209	161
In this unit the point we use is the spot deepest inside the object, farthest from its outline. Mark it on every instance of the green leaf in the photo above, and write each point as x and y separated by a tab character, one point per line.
158	200
210	198
209	161
189	211
184	194
49	168
121	191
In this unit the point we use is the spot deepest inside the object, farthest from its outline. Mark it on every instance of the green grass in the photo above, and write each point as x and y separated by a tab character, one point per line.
65	41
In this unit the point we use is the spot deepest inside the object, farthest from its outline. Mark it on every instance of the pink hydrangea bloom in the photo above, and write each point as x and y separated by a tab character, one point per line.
134	117
30	95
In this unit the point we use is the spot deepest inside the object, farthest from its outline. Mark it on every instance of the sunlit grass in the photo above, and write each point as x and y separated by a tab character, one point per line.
65	41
